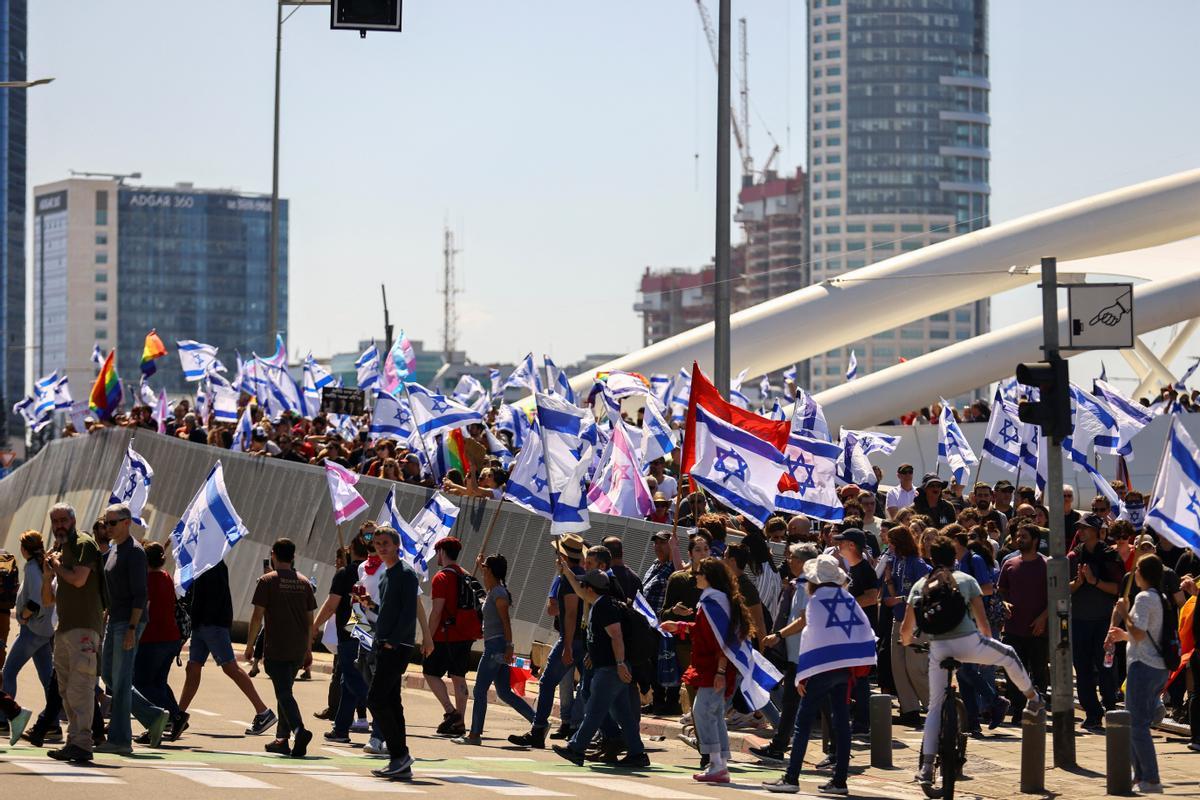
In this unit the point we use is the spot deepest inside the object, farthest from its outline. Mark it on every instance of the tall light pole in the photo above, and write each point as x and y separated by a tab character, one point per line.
721	305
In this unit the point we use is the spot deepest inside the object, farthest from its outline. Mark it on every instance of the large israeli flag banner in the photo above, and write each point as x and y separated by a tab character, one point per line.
208	530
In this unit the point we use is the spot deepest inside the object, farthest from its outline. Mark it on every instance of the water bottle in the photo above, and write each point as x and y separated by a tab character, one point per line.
1110	651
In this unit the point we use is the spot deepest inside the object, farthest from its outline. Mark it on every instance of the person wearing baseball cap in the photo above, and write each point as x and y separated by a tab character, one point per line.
903	494
930	502
1096	572
1002	498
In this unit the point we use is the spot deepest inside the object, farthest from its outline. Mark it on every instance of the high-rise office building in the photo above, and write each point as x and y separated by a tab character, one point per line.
14	16
773	215
898	152
111	261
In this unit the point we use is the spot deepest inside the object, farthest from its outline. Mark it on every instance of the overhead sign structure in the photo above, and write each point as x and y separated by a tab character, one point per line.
1100	316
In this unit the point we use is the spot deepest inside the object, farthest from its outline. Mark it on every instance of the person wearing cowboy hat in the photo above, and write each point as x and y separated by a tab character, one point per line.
662	510
567	651
930	502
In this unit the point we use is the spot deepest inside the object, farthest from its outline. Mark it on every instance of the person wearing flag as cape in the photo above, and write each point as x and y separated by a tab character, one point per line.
836	644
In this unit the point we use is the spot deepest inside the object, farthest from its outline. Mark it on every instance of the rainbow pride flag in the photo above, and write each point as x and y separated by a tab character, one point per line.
106	391
454	452
152	349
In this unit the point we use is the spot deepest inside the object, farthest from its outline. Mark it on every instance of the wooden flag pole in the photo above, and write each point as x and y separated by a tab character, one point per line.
487	536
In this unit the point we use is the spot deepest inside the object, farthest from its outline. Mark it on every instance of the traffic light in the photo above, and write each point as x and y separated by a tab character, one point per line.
365	15
1052	410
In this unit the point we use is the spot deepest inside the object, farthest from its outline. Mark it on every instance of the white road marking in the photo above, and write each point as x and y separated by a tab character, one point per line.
503	787
241	723
215	778
203	713
637	788
363	783
59	772
498	758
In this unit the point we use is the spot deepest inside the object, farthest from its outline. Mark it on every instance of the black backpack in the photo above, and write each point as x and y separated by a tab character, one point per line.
1168	646
10	581
471	593
641	642
940	606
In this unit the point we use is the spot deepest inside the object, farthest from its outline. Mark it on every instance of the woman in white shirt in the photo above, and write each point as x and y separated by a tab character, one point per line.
1147	671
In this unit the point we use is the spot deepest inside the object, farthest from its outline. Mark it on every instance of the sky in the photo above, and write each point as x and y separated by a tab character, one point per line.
568	145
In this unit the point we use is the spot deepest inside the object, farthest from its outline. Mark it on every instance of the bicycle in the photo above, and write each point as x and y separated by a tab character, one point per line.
951	755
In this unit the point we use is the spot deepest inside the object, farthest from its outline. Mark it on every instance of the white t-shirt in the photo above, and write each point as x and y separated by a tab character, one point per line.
668	486
898	497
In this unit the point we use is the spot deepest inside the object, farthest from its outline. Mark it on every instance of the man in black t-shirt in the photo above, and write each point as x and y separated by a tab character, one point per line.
864	587
337	605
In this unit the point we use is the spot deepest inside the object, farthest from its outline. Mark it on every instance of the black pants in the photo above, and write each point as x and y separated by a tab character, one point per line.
384	698
787	714
1194	708
1034	652
283	678
1094	683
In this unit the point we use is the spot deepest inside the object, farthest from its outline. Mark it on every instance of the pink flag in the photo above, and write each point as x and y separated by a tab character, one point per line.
160	414
347	502
619	487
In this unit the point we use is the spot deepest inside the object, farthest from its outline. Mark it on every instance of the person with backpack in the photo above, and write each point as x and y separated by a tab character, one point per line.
10	582
497	650
947	606
455	624
1151	632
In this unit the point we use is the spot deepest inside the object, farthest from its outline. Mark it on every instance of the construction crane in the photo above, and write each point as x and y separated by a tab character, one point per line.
739	120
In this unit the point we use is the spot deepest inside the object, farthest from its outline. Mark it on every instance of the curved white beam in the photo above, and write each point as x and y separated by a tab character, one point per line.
964	366
913	285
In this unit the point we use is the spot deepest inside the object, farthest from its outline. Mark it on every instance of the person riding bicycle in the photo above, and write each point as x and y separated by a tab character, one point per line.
968	641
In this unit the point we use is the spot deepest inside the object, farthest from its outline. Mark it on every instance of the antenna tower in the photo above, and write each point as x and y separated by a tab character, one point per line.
449	291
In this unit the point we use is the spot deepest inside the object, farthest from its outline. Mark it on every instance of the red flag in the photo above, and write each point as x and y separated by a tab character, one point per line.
705	394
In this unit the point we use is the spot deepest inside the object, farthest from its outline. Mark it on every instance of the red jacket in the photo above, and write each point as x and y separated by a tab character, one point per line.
706	655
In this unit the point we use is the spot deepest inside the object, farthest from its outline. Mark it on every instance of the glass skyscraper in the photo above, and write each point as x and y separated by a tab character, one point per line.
14	16
898	152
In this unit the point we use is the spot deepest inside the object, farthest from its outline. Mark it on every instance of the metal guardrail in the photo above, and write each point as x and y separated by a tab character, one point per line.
279	498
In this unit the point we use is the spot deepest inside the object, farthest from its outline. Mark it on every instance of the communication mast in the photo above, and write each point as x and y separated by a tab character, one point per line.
449	291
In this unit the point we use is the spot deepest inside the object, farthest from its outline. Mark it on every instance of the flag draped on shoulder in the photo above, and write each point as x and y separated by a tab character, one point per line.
1175	513
208	530
347	502
809	484
759	676
735	467
195	358
837	634
132	486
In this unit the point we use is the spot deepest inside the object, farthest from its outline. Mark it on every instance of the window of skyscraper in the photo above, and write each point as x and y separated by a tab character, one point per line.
101	296
101	237
101	258
855	227
101	315
101	276
101	334
911	227
102	208
882	227
833	227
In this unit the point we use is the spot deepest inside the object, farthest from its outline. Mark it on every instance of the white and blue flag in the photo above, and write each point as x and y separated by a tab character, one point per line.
208	530
736	468
224	403
775	412
244	432
852	367
495	386
196	358
1175	513
524	376
812	464
410	544
789	377
1002	442
557	382
660	387
1130	417
808	418
1181	384
658	439
433	523
97	355
529	482
853	466
132	486
435	413
874	441
758	675
512	419
367	367
391	418
466	388
568	436
837	633
764	391
62	394
44	397
953	449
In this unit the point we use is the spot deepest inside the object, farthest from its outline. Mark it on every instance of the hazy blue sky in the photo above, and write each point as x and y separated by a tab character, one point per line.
559	139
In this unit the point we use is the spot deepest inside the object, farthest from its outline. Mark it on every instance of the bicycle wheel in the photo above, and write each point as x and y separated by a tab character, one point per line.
948	746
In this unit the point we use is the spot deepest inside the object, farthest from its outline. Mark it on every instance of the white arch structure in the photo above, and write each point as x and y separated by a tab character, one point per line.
889	293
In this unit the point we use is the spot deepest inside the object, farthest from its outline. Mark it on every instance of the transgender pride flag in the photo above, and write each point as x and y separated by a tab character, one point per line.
347	502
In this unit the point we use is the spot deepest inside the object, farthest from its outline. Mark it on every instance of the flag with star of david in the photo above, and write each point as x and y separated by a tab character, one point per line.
837	634
1176	511
953	449
810	478
619	487
435	413
735	467
207	531
391	419
1002	442
529	483
132	486
196	358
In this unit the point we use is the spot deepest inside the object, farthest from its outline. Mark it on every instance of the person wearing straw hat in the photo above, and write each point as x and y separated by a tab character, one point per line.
567	651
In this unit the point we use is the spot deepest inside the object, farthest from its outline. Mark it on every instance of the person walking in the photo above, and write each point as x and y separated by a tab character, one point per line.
1022	586
395	636
497	649
910	669
665	690
1147	670
354	686
454	629
284	599
80	602
35	635
160	641
125	579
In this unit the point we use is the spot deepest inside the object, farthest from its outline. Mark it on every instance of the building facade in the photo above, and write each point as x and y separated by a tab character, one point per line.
14	17
111	261
898	153
773	214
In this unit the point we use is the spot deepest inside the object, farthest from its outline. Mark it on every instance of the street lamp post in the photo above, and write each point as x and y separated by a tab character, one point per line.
721	297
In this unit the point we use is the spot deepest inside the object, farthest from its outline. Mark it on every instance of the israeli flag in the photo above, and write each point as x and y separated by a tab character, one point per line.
1175	513
44	393
196	358
224	404
1181	384
1002	442
391	419
97	355
776	412
620	488
658	440
764	391
1131	417
435	413
836	635
808	418
953	449
244	432
466	388
789	379
62	394
512	419
1095	423
811	479
568	434
626	384
496	387
132	486
367	367
497	448
410	544
642	606
681	394
736	468
660	387
433	523
208	530
852	367
162	412
529	483
853	466
738	399
282	393
1009	389
759	676
557	382
347	502
874	441
524	376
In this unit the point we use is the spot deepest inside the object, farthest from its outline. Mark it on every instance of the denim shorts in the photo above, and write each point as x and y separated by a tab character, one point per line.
211	639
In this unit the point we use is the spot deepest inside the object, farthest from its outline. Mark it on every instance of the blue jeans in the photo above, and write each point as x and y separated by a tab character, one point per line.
708	715
832	686
354	686
152	671
607	694
552	673
116	668
28	646
1143	685
493	670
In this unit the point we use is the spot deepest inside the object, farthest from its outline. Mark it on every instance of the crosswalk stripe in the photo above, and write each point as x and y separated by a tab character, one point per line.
203	713
638	788
59	772
215	778
503	787
363	783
